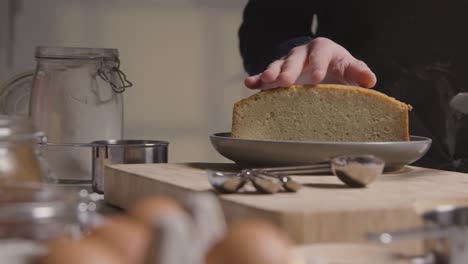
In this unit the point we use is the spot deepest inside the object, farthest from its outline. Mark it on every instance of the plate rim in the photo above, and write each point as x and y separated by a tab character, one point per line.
413	140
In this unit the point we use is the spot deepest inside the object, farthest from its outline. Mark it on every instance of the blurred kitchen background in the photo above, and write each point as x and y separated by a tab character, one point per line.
181	55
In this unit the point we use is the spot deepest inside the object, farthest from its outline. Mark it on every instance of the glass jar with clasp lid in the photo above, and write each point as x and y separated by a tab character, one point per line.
76	99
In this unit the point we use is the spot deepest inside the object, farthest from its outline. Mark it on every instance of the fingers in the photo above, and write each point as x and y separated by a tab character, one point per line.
320	61
266	78
282	72
330	62
272	72
321	53
293	66
253	82
357	72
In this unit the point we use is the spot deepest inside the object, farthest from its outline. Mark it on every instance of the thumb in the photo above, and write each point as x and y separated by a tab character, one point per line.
359	73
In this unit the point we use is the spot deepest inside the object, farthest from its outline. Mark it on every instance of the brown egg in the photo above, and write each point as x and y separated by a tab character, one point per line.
129	238
58	241
251	242
150	209
86	251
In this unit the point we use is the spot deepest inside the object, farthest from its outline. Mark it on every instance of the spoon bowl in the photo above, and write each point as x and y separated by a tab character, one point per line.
357	171
265	185
226	182
287	182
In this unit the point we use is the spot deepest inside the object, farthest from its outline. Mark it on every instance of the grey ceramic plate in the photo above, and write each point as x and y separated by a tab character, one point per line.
262	153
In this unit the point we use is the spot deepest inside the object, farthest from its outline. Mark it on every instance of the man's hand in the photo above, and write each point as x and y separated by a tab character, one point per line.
319	61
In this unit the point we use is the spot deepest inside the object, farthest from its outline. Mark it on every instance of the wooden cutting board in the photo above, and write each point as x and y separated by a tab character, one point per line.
324	210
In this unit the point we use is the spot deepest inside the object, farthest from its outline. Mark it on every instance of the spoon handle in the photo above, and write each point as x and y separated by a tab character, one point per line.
318	168
418	233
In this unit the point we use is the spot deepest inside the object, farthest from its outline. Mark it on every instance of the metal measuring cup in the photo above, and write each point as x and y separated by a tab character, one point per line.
106	152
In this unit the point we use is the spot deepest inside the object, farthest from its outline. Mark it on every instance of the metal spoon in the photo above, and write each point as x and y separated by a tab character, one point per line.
357	171
229	182
285	181
226	182
354	171
264	185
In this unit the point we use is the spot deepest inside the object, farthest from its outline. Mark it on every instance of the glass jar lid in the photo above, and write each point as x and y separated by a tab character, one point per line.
76	53
107	58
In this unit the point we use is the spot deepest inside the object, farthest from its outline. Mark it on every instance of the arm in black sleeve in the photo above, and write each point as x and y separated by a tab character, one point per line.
270	29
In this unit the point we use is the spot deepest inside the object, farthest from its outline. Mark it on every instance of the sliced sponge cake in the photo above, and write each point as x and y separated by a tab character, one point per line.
321	113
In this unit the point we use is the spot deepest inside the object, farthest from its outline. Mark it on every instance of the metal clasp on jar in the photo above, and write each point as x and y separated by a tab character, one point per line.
123	84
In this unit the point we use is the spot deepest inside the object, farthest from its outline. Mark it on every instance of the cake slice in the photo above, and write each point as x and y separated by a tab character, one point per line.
322	112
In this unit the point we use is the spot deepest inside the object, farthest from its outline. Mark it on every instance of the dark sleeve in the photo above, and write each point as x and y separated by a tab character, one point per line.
271	28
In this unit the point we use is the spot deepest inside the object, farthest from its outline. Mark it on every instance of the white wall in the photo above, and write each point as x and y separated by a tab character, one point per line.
182	56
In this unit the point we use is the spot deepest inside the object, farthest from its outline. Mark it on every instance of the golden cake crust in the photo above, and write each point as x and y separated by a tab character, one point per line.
340	88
